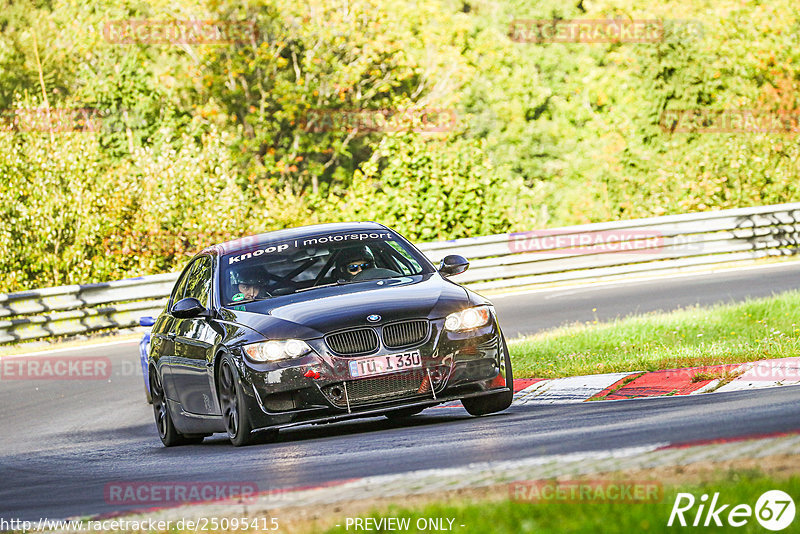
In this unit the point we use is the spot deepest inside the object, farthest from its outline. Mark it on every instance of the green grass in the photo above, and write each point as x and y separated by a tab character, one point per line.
509	516
732	333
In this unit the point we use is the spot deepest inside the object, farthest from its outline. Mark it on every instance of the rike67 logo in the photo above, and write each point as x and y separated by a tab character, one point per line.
774	510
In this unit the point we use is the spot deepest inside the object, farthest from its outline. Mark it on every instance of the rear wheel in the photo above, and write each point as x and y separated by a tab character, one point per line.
233	403
170	437
496	402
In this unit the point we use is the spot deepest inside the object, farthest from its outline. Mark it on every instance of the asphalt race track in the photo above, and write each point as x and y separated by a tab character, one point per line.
63	441
527	313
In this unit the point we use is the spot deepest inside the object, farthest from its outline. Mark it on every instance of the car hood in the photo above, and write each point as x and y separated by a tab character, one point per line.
314	313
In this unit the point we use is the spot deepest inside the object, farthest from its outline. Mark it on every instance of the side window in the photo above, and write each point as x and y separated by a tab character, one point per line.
199	282
180	287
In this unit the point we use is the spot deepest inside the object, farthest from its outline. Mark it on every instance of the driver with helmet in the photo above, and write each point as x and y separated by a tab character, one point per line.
353	261
249	284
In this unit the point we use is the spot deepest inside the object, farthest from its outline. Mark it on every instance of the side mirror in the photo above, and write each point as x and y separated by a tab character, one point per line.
453	264
187	308
146	321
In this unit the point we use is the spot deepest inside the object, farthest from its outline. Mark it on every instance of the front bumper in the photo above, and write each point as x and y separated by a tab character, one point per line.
455	365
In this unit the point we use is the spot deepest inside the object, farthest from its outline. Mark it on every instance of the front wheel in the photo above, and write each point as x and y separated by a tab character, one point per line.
496	402
170	437
233	404
488	404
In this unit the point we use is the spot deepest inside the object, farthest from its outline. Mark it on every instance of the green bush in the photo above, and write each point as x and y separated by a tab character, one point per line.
200	143
432	189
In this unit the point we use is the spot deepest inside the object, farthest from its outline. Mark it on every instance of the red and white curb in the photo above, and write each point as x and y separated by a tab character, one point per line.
685	381
570	389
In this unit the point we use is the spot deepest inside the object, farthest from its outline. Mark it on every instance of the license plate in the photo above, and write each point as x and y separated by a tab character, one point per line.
388	363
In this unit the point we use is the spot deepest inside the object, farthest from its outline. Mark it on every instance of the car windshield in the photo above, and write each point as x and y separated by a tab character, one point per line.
287	267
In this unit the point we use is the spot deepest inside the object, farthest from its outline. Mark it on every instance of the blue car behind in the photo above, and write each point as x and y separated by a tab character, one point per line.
144	349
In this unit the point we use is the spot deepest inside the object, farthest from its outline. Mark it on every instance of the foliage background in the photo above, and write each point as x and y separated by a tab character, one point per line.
200	143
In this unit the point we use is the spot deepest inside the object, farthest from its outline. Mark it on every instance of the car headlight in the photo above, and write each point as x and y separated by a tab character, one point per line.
468	319
272	351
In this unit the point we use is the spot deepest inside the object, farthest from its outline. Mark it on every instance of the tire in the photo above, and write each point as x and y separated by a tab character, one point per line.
497	402
233	404
170	437
402	413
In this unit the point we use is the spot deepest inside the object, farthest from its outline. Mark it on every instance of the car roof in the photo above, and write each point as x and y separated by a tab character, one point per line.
249	242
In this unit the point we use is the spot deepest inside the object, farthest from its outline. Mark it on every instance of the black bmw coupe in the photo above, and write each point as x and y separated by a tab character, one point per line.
319	324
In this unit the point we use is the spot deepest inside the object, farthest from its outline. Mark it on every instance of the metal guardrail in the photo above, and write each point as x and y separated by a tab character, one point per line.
76	309
588	251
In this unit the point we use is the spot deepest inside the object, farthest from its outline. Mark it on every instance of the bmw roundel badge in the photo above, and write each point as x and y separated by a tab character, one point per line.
374	318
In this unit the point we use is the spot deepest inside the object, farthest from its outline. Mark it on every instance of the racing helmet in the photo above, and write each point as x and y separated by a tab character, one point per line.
351	255
253	276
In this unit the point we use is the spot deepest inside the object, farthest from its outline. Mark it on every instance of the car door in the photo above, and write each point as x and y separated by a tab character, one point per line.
194	341
162	336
